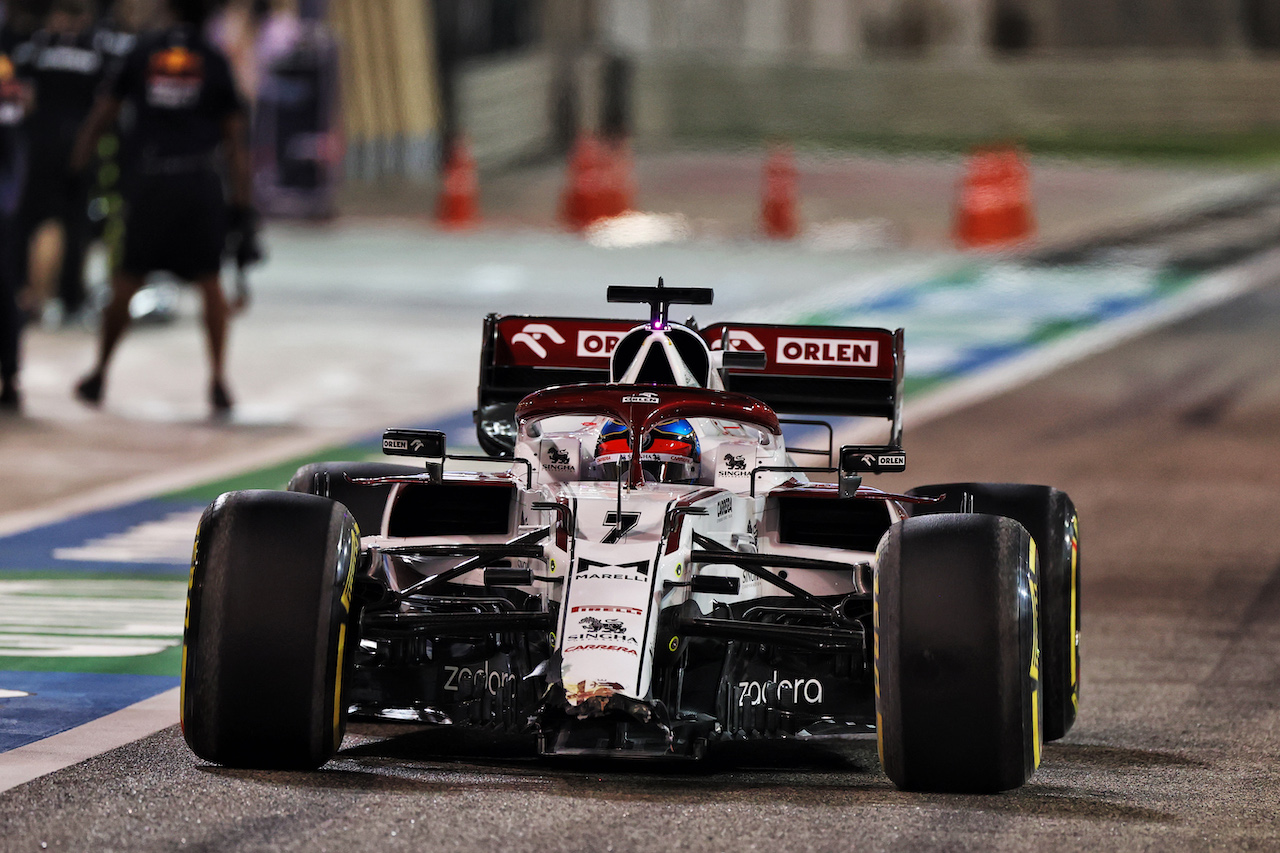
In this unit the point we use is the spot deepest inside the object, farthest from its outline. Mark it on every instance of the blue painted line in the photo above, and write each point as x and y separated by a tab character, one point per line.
60	701
33	550
979	358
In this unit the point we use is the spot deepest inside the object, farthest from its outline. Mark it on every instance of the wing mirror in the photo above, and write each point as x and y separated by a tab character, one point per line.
423	443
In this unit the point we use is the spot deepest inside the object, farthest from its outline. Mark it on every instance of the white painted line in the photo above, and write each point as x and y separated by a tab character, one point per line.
1214	289
142	488
84	742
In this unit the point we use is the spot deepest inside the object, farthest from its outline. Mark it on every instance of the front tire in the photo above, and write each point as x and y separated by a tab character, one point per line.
1050	516
956	654
264	649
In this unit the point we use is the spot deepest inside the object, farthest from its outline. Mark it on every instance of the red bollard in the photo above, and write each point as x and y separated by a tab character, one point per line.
456	206
778	217
993	208
581	202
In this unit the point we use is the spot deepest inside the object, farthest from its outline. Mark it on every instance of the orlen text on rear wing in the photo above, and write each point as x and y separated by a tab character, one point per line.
522	354
818	370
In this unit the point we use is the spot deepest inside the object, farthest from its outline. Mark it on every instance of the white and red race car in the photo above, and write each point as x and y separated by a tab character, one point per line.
650	574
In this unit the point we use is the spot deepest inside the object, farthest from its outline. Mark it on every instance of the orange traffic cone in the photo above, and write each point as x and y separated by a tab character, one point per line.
456	207
580	204
618	192
778	218
994	205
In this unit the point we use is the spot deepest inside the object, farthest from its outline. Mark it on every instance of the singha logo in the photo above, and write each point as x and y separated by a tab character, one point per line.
735	463
556	456
602	626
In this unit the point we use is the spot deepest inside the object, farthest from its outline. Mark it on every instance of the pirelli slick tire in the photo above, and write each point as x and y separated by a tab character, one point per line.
264	652
1051	518
956	660
365	503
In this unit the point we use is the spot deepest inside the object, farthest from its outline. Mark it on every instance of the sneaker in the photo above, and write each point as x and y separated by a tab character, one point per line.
220	399
89	390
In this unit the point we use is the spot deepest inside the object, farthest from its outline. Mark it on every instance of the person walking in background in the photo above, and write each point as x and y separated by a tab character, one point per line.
176	218
65	61
15	100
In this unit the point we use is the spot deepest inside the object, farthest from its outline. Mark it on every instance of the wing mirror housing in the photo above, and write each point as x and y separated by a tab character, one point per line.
422	443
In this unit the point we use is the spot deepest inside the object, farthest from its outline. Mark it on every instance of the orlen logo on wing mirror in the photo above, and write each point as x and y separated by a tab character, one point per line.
531	336
855	458
423	443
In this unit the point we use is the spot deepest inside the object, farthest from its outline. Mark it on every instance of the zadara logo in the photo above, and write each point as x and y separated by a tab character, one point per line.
646	397
533	333
465	679
798	691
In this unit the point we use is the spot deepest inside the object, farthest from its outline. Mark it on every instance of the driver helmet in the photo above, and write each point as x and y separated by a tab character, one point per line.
670	452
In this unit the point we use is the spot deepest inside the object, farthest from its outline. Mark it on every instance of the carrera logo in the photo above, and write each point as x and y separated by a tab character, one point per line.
602	648
592	344
646	397
828	351
533	333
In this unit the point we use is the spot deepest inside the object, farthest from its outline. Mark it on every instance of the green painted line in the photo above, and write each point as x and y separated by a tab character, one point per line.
276	476
73	623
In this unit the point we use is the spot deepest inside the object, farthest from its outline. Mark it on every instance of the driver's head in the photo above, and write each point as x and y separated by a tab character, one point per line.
669	454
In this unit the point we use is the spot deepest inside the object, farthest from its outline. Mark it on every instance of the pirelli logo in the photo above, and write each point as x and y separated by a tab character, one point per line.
831	351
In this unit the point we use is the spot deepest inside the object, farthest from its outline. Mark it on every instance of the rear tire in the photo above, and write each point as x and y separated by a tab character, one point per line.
264	650
1051	518
365	503
956	662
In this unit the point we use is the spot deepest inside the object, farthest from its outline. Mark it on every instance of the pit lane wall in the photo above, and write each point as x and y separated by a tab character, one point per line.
678	99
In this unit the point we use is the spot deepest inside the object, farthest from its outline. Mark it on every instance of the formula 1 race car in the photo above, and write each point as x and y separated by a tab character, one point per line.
648	572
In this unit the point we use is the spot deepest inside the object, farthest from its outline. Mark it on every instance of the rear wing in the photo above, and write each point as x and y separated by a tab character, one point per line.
807	370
